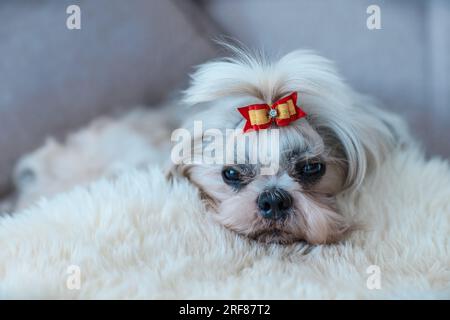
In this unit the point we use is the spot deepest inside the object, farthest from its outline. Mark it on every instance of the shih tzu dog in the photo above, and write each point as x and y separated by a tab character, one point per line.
328	139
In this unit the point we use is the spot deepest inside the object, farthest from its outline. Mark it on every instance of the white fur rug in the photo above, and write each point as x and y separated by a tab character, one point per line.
138	237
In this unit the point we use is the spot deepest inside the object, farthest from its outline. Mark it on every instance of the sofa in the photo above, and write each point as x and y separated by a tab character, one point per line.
55	80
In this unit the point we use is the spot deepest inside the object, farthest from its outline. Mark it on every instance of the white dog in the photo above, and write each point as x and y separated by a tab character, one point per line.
332	139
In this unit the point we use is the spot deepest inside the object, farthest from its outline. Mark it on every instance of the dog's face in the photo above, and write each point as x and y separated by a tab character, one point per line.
329	151
295	203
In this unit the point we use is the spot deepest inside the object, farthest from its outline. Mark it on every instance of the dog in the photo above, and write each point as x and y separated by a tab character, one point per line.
336	139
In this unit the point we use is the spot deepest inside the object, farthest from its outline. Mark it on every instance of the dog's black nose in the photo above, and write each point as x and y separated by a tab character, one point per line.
274	203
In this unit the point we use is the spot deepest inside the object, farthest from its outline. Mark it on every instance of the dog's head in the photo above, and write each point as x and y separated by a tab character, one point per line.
331	150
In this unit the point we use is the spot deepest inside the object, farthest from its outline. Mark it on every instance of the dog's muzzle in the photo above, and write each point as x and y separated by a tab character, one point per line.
274	203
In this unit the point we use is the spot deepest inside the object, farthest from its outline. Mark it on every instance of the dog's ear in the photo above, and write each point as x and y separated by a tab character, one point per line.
177	171
184	153
362	134
170	173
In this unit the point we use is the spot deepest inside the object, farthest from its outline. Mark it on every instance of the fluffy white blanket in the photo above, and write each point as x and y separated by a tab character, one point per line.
139	237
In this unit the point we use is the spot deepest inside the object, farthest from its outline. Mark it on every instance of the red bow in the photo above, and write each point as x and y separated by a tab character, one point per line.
282	112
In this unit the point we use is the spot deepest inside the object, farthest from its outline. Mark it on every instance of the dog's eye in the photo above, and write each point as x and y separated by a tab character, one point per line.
231	175
310	171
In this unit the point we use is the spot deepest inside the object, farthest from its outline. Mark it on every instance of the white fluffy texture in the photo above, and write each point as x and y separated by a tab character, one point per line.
106	147
132	240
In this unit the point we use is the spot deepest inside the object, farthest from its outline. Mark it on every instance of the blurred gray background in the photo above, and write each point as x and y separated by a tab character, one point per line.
54	80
